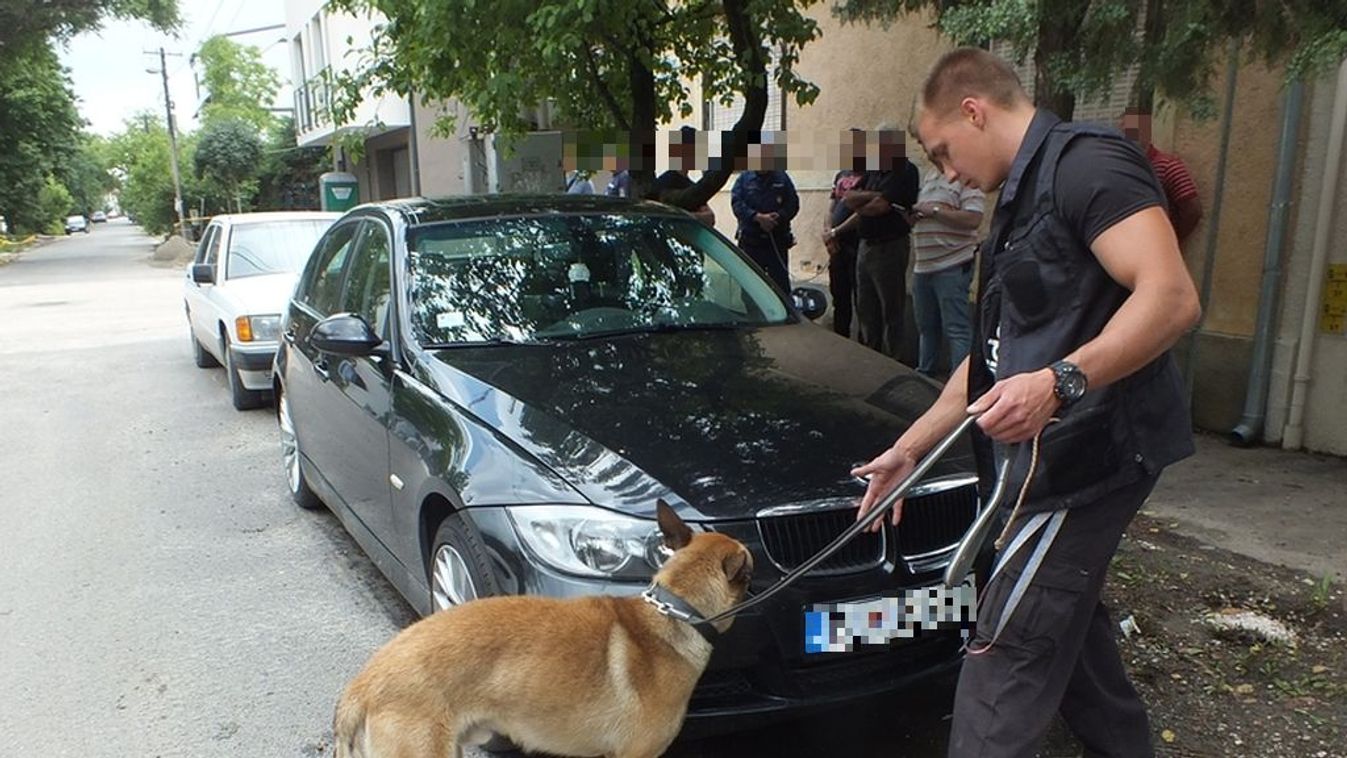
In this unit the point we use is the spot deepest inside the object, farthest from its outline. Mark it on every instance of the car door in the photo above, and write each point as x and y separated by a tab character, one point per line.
361	397
200	310
308	377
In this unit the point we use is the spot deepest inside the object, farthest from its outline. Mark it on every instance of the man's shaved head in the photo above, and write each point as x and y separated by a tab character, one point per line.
970	72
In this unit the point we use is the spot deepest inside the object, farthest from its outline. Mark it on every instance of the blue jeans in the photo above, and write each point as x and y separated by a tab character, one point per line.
940	304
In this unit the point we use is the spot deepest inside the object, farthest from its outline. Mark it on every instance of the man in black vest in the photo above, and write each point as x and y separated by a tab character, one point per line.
1082	291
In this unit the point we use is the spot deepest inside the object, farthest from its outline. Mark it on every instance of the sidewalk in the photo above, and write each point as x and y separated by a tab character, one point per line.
1286	508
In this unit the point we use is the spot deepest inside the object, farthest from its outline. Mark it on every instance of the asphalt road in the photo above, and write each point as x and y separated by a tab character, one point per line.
160	594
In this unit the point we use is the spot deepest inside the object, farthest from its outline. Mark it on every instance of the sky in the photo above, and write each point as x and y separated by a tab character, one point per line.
108	67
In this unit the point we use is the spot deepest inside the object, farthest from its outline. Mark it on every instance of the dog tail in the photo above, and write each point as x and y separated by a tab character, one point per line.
348	728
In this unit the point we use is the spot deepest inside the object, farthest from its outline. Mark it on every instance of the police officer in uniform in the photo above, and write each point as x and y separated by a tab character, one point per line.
764	202
1082	291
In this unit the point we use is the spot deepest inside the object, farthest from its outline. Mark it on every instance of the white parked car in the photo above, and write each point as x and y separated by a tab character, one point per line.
238	285
76	224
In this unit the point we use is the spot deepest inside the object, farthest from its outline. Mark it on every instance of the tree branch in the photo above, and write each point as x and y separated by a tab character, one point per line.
592	67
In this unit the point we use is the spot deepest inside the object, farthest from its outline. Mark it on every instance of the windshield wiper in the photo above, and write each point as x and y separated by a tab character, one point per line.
492	342
726	326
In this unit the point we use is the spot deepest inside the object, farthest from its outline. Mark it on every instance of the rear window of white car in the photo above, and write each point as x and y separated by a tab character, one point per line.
272	247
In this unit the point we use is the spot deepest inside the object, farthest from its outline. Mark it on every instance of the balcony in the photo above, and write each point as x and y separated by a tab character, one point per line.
313	107
373	116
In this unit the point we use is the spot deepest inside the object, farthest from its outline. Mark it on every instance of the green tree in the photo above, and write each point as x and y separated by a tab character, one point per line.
24	23
238	84
605	64
54	204
139	154
84	173
289	176
228	158
38	125
1078	46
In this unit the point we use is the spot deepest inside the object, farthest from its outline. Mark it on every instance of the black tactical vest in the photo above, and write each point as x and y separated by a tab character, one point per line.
1045	294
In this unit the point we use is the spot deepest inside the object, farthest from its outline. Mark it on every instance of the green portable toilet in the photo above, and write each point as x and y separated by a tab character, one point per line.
339	190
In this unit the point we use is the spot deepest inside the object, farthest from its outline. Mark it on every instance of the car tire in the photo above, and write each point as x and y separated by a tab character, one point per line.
200	355
291	457
244	398
459	568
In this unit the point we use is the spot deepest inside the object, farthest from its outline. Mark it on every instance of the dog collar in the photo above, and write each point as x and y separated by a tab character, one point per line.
675	607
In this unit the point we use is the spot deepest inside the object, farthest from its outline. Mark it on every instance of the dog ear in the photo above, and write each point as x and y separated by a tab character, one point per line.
676	533
738	567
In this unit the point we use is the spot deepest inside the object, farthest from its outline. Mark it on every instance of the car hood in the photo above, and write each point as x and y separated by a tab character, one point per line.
259	295
722	424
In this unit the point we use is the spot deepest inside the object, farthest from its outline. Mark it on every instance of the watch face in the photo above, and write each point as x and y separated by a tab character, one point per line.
1070	382
1073	385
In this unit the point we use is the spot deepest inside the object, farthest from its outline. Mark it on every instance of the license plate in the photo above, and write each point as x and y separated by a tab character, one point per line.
846	626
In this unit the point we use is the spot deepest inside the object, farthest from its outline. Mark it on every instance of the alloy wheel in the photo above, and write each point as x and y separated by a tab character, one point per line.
451	583
289	444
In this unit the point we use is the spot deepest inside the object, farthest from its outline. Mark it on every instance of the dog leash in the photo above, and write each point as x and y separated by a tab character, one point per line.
884	506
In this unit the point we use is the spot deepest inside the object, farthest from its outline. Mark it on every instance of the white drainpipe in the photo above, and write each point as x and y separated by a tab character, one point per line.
1293	434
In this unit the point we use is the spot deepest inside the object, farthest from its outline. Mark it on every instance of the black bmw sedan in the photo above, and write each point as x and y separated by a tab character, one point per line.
492	393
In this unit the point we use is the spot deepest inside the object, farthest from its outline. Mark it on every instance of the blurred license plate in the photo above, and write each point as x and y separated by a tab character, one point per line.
845	626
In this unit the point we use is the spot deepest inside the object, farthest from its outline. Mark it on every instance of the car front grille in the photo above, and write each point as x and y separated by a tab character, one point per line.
932	522
794	539
936	521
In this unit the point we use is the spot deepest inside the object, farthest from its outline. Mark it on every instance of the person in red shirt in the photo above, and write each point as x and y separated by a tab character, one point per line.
1185	207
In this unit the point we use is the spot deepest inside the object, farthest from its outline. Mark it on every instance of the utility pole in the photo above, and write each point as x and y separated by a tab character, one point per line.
172	142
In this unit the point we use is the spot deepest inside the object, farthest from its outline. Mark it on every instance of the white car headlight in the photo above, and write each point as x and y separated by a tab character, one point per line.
258	328
589	541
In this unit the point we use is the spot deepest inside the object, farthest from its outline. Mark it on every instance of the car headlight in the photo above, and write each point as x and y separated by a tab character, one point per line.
258	328
589	541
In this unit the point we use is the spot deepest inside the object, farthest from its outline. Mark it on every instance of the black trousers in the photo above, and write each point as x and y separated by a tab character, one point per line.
773	259
842	285
881	294
1057	652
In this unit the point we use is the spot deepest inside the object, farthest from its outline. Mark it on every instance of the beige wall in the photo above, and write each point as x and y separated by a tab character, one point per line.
1240	240
441	160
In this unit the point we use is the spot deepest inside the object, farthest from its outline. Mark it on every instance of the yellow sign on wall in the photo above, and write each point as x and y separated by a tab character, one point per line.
1333	310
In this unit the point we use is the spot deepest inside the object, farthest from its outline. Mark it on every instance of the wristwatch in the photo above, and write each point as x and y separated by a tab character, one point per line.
1070	382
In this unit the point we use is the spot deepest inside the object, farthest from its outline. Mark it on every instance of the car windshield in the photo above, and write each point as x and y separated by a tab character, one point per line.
272	247
576	276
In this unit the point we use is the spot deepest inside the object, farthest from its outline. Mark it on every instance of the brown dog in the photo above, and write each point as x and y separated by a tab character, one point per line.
591	676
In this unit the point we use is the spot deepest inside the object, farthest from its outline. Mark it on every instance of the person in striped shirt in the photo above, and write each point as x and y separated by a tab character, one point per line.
945	224
1184	205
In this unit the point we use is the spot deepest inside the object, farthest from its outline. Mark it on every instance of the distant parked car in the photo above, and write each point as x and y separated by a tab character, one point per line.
237	287
99	217
76	224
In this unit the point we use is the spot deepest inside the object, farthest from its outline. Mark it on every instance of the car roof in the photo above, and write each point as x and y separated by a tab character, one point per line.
422	210
236	219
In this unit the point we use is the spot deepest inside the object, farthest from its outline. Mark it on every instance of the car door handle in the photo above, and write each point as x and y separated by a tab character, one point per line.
289	337
320	368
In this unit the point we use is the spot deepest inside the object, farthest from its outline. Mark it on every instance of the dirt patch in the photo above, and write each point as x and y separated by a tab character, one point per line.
175	250
1213	693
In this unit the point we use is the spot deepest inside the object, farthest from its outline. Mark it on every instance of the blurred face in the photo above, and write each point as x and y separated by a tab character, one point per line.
960	146
1137	127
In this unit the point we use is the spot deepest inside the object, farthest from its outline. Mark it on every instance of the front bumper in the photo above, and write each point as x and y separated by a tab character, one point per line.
759	672
254	362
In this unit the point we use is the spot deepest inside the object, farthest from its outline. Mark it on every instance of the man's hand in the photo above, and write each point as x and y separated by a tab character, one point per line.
766	220
885	472
1016	408
923	210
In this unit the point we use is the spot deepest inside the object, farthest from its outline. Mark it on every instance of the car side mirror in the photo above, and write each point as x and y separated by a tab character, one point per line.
811	301
345	334
203	273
